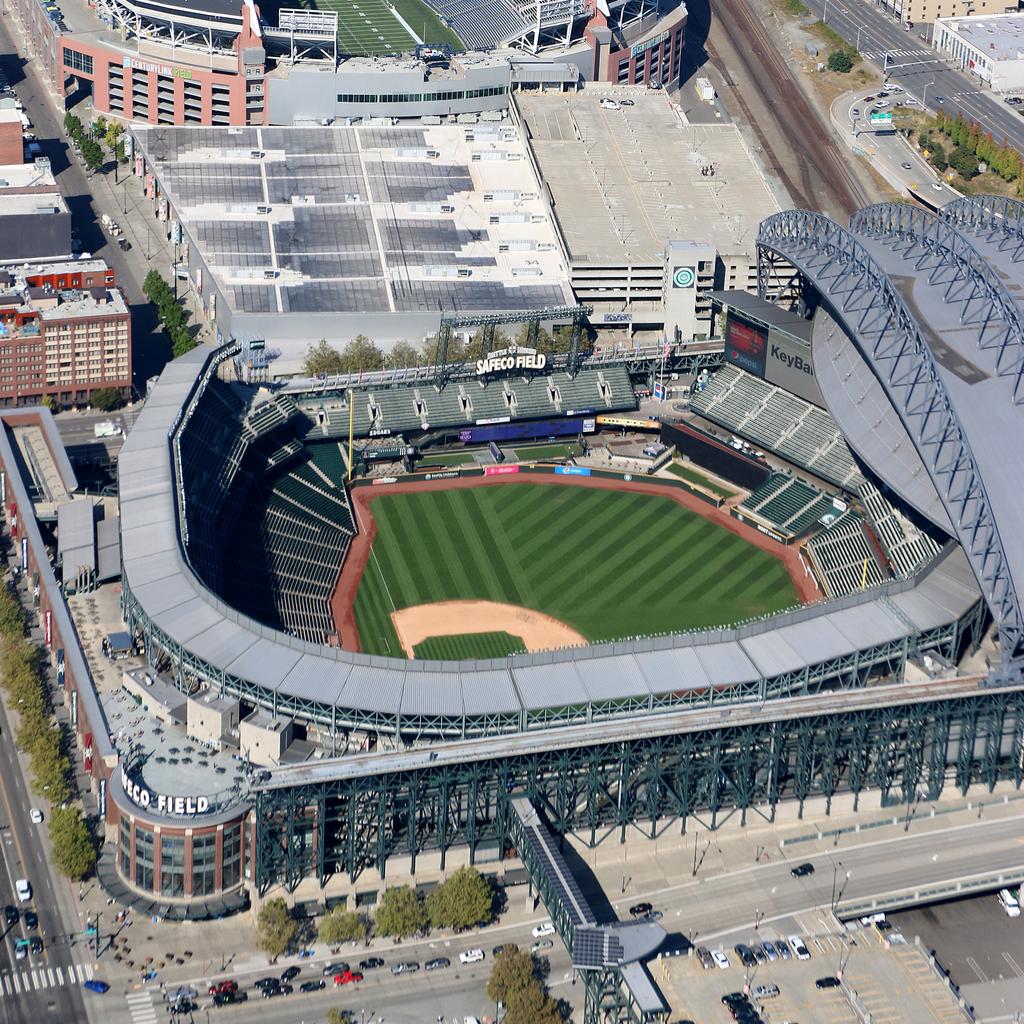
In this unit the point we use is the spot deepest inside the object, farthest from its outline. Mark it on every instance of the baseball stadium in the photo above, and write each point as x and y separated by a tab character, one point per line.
523	581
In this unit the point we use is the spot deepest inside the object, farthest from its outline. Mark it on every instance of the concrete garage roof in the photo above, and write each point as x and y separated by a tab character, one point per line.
626	182
284	674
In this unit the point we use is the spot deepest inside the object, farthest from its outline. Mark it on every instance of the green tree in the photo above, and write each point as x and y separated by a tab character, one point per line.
466	900
839	60
99	128
105	399
74	852
342	925
72	125
400	913
113	134
322	359
532	1005
512	970
403	355
92	154
361	354
275	928
336	1016
12	618
49	402
964	163
938	159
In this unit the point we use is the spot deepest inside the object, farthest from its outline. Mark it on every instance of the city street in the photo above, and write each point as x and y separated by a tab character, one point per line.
924	74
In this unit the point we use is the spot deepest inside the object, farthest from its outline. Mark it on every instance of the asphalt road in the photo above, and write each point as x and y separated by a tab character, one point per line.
44	988
917	67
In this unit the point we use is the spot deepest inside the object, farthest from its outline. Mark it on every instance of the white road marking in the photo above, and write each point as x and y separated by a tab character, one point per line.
60	976
17	983
49	977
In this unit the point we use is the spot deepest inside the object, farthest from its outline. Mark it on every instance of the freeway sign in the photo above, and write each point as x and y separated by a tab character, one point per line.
881	119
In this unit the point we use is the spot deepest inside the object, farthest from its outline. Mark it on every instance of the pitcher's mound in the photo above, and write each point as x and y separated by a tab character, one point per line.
539	632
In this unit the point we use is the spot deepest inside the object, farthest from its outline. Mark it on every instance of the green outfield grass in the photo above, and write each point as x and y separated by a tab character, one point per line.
468	646
449	459
678	469
547	451
367	27
608	563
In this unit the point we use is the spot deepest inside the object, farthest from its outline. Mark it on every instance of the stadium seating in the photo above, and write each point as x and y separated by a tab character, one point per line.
839	555
482	24
787	505
774	419
906	547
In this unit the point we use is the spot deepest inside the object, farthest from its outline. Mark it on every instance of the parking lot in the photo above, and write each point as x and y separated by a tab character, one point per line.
895	986
980	947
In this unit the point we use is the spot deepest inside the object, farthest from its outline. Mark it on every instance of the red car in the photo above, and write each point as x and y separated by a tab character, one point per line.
348	977
223	986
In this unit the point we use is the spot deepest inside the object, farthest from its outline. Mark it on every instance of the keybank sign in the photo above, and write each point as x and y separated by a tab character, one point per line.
791	360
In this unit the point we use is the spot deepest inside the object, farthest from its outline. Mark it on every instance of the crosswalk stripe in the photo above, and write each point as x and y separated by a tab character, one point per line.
36	982
17	984
88	972
49	976
139	997
60	976
7	984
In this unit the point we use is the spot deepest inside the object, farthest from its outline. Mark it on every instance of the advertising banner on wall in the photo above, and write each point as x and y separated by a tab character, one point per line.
87	753
60	667
788	364
49	628
103	799
745	345
24	553
501	470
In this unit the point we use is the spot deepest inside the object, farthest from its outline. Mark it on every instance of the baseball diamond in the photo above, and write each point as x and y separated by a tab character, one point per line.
604	561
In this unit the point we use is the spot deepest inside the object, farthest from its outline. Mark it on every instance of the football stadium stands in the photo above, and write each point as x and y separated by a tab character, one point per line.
418	406
840	555
482	24
774	419
787	505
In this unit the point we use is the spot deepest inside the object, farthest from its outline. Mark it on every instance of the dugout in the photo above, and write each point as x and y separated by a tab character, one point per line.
715	455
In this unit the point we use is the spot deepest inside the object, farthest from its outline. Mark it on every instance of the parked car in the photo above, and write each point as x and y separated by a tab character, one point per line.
497	950
313	986
608	103
371	963
798	947
721	960
289	973
626	103
783	949
348	978
770	951
124	244
765	991
829	982
471	956
640	909
439	963
541	944
745	954
540	930
802	870
97	986
407	967
707	961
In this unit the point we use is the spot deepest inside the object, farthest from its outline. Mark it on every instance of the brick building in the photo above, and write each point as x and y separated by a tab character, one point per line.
65	331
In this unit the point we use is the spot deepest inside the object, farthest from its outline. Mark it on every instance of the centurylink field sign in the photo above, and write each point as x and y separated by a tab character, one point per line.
511	358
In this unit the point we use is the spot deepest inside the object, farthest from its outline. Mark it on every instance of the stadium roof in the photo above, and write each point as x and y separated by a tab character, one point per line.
626	182
287	675
362	219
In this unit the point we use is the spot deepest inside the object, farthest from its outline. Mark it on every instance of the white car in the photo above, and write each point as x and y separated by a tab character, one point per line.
609	104
36	815
540	930
799	949
721	960
23	889
910	102
471	956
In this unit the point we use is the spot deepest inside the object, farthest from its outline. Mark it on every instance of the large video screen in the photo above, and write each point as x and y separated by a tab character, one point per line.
745	345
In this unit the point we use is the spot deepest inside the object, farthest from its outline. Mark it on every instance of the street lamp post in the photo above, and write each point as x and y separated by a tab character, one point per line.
836	865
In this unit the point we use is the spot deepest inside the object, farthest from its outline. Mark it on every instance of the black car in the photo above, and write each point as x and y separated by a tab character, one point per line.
371	963
35	945
495	950
313	986
802	870
267	982
229	998
437	964
185	1006
745	954
759	954
640	909
31	919
288	973
11	914
734	997
124	244
339	967
827	983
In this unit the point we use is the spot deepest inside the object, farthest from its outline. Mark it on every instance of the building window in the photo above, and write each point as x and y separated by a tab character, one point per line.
172	865
144	858
126	847
232	857
76	61
204	865
624	70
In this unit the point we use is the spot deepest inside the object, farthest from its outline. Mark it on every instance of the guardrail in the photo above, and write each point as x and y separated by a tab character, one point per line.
929	893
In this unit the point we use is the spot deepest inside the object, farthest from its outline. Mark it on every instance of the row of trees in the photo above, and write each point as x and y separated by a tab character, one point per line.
90	140
465	900
361	354
974	147
515	981
43	739
172	314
